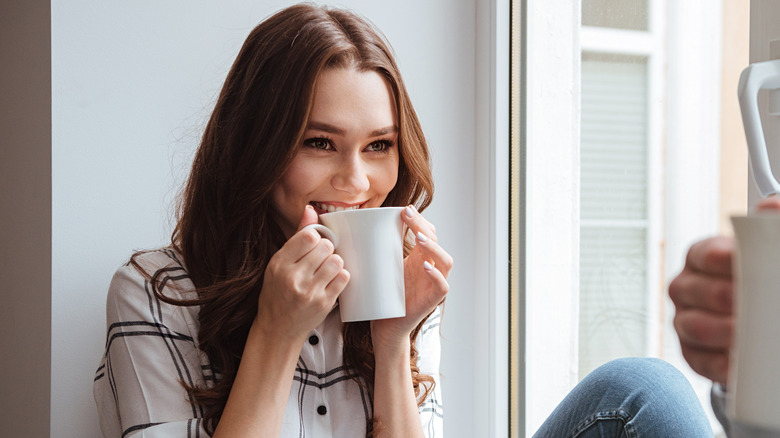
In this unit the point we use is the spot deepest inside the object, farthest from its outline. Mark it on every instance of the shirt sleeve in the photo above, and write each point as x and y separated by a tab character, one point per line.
718	401
150	351
428	344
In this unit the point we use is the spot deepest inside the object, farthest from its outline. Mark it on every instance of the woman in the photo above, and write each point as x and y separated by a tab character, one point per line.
232	330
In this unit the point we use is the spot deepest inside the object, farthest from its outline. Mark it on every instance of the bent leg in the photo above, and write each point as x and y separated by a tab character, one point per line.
635	397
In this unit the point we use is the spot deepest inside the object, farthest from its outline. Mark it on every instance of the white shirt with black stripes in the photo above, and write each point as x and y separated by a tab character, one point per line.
152	346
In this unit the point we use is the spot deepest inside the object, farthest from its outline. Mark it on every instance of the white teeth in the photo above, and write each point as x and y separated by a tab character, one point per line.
332	208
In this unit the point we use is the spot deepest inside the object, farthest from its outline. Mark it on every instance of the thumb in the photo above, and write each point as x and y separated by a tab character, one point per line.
309	217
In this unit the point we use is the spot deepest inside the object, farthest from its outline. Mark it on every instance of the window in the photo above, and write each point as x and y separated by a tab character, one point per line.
619	231
618	111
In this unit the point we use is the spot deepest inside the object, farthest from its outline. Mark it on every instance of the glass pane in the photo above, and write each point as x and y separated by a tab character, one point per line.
616	14
614	198
613	298
614	138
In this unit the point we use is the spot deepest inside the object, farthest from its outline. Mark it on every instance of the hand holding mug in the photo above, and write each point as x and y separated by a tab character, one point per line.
302	282
703	295
425	277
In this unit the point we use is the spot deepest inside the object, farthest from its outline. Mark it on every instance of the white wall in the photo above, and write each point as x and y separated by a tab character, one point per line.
133	82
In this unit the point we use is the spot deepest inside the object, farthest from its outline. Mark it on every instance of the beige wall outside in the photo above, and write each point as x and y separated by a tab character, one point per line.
25	217
733	164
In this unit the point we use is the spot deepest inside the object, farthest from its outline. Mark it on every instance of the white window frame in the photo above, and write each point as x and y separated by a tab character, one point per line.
551	265
491	221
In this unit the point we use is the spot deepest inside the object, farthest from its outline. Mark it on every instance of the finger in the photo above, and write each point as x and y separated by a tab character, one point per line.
300	244
440	285
439	282
704	330
306	242
433	253
317	255
713	365
692	290
711	256
417	223
768	204
337	284
308	217
328	269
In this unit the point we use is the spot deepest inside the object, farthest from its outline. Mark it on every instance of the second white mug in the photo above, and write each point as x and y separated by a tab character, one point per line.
754	388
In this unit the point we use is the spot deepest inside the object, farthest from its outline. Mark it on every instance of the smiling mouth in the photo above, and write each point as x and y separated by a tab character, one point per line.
329	208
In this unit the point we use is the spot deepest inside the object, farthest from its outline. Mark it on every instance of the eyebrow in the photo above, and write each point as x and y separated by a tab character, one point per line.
321	126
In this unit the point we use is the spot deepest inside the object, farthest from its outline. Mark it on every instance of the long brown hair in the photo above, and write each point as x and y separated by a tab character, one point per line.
226	231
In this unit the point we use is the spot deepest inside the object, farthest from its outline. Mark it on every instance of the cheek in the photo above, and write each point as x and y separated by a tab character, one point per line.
289	187
299	179
287	197
387	176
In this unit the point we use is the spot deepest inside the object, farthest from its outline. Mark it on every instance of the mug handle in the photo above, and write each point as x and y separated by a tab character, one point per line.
325	232
755	77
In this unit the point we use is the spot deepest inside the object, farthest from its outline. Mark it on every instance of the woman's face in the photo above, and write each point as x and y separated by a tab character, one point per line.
349	157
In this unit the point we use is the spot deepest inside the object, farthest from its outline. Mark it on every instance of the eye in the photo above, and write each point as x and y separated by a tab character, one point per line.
380	146
319	143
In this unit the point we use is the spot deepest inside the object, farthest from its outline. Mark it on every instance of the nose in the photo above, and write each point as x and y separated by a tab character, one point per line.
352	175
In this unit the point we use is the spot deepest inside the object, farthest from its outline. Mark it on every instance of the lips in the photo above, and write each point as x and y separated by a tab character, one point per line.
323	207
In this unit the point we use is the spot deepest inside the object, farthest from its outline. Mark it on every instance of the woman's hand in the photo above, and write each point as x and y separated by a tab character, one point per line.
301	284
425	278
703	294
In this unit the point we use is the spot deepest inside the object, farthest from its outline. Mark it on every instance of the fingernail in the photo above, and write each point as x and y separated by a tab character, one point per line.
421	237
427	266
409	211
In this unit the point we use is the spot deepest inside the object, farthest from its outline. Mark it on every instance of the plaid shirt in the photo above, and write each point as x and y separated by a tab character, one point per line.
152	346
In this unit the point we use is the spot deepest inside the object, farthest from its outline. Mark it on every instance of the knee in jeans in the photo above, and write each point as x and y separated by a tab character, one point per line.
638	367
643	379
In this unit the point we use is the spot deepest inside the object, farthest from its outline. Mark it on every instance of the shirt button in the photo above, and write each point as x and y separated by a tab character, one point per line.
322	410
314	340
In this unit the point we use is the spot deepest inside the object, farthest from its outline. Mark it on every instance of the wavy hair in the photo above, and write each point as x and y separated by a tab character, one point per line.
226	231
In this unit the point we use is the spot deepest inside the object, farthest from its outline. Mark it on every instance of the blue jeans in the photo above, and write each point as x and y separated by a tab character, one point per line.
636	397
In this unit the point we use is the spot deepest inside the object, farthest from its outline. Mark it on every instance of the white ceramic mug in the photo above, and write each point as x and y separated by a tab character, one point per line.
753	394
370	240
